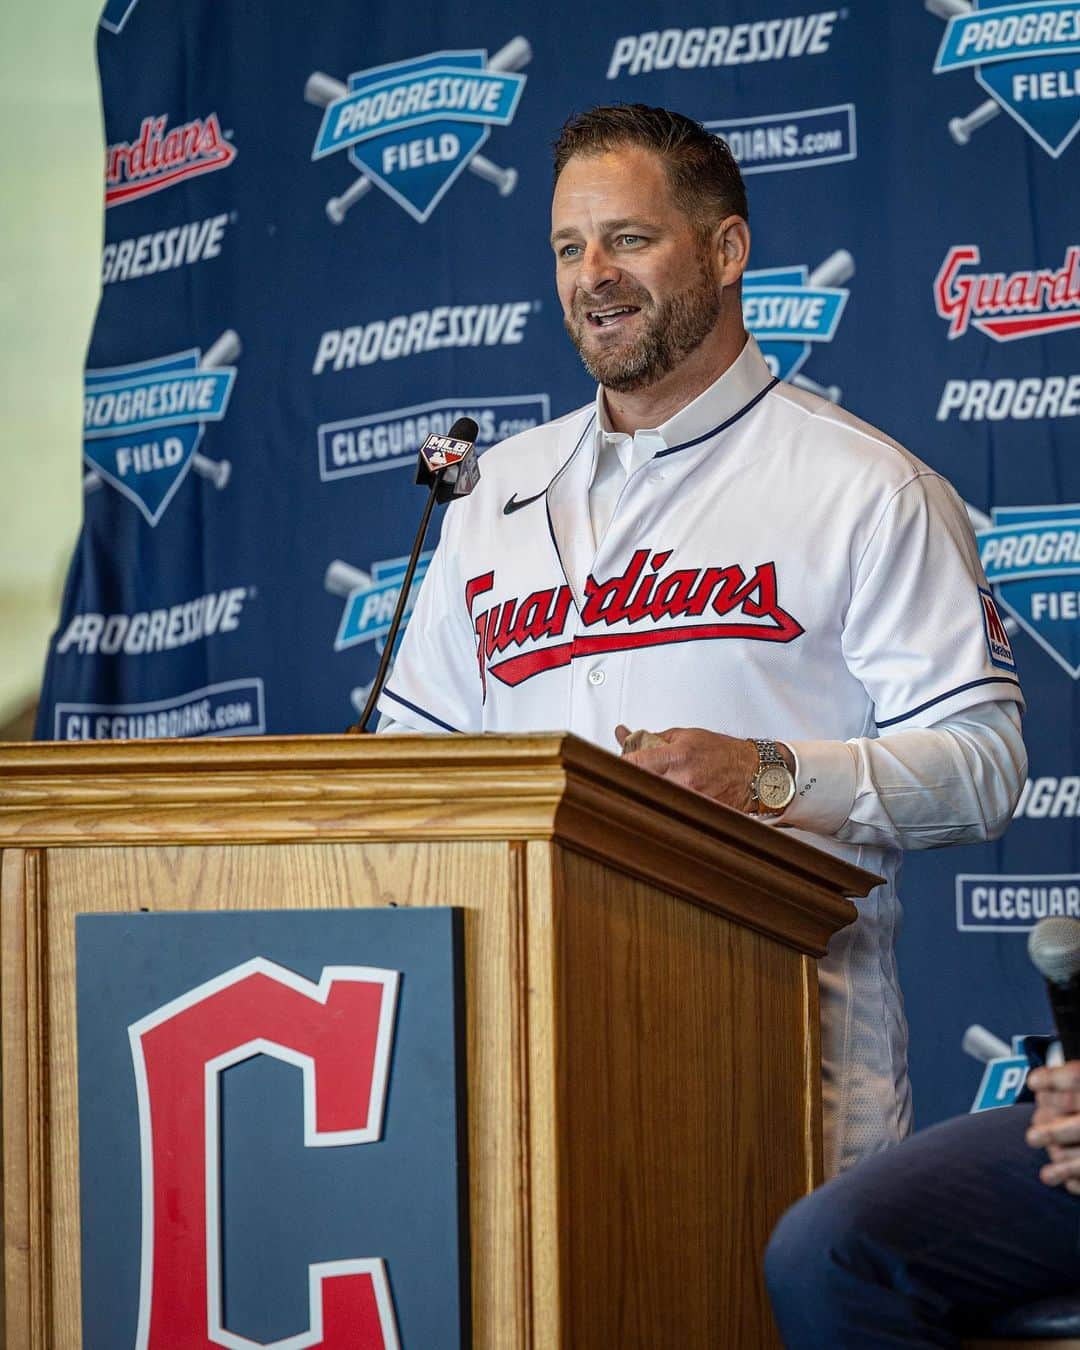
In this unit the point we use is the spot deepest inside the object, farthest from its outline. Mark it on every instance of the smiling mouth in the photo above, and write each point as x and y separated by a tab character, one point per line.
610	317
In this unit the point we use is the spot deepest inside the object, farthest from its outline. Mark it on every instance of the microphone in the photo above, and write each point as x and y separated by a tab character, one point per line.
1054	948
449	462
447	467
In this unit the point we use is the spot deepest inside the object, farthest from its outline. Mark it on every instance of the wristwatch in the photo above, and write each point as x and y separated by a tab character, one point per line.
773	786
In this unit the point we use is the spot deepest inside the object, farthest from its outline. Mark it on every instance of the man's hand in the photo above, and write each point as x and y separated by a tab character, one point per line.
719	766
1055	1125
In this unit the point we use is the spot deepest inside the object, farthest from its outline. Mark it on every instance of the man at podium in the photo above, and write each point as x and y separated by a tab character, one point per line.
789	600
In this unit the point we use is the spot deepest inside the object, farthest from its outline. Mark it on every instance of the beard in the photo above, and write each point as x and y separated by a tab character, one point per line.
670	331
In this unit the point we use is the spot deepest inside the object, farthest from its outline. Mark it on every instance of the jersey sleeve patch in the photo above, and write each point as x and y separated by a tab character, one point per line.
997	639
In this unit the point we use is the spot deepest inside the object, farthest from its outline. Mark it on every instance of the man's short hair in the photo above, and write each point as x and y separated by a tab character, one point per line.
704	177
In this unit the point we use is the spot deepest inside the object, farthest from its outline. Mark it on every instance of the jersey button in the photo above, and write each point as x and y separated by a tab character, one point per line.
596	676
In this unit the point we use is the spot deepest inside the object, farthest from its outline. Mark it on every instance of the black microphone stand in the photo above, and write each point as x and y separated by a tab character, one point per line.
361	727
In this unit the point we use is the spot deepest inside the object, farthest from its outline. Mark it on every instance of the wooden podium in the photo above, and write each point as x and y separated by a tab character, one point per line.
642	1008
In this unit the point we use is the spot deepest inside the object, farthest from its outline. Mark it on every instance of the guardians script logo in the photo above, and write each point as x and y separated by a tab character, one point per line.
162	156
412	127
790	309
651	604
142	424
1026	56
1031	556
1007	306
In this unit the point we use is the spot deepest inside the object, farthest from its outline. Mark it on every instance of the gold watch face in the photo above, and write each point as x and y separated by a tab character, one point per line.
775	787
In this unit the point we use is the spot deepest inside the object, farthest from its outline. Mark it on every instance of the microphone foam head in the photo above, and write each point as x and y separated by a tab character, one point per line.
1054	948
465	429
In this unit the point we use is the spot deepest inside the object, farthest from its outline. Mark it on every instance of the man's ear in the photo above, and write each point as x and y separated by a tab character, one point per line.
731	243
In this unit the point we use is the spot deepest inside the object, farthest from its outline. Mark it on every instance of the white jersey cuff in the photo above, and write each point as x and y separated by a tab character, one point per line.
825	776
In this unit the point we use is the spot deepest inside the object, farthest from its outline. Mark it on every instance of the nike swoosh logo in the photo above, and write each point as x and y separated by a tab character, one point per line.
514	505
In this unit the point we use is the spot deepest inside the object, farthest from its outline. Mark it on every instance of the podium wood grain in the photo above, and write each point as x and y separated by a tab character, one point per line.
629	947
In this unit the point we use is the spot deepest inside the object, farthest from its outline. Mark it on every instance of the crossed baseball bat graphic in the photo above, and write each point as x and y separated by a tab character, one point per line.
322	89
837	268
223	352
342	579
961	129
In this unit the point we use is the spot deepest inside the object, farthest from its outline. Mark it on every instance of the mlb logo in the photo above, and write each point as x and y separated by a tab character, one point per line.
997	639
441	451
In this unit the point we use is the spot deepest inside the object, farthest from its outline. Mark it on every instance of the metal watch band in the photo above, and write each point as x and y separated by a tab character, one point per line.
768	753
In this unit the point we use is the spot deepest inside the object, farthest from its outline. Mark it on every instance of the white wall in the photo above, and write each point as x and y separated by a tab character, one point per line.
51	157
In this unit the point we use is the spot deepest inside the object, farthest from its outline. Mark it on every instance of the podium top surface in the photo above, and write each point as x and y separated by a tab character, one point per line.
552	787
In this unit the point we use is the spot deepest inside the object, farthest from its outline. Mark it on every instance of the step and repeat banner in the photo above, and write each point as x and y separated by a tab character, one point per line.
326	236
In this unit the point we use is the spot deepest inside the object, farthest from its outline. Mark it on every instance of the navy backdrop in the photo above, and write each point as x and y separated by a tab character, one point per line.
325	235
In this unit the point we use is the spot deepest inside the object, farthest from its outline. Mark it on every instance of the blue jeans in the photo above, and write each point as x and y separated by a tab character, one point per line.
912	1246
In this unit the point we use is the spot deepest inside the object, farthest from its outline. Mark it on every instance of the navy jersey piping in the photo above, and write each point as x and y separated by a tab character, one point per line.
686	445
960	689
389	693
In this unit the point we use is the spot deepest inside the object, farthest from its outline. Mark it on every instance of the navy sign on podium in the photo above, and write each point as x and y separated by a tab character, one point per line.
271	1133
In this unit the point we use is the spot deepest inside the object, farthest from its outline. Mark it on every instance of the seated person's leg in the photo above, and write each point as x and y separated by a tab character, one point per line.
897	1250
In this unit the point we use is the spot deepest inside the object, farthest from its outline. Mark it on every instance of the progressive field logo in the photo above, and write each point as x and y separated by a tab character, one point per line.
413	127
142	423
1026	56
790	310
1031	556
370	598
1006	1065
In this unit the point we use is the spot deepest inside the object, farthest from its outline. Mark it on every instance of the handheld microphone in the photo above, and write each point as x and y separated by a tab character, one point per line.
1054	948
447	467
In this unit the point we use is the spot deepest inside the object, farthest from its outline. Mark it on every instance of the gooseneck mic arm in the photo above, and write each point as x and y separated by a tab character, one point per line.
447	466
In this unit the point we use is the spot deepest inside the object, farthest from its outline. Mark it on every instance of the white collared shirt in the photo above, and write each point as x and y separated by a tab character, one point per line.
618	456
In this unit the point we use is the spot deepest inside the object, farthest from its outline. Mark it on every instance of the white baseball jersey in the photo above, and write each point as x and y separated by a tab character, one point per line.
781	569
